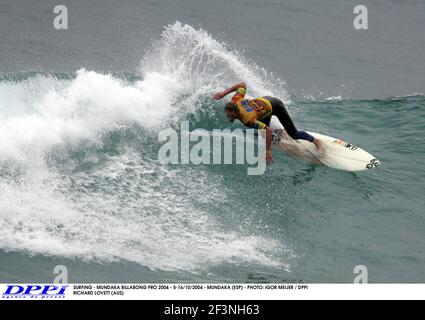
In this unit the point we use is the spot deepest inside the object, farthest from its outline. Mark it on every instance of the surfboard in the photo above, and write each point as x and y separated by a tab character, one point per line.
338	154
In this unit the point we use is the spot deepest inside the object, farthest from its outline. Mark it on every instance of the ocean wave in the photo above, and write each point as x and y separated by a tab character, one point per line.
79	174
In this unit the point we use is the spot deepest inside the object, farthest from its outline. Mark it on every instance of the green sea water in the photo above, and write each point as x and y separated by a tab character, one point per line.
81	184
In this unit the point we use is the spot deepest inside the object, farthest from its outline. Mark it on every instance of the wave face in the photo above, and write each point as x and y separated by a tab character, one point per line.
80	178
79	170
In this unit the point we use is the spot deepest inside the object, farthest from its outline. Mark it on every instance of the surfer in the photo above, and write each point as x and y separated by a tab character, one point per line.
256	113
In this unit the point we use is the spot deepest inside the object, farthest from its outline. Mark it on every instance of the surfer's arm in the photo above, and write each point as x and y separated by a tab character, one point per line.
236	87
269	145
260	125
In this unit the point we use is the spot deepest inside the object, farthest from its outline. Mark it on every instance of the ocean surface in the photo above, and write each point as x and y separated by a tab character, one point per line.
81	109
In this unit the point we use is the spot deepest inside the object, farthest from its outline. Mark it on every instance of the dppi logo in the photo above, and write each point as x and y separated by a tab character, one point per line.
35	291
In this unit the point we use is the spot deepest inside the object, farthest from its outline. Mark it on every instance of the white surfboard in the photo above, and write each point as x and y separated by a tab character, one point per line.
338	154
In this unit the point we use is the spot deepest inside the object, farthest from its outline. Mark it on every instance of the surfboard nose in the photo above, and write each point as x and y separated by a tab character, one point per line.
373	163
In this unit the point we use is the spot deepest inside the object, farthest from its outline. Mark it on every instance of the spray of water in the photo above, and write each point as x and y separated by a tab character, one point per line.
79	175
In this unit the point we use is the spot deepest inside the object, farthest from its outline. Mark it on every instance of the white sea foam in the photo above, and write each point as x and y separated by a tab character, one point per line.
127	206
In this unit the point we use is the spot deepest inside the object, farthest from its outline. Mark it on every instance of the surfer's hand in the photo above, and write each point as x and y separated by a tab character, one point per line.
269	159
218	96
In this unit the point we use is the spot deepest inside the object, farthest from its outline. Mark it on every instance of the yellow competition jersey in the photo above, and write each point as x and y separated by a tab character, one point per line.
252	111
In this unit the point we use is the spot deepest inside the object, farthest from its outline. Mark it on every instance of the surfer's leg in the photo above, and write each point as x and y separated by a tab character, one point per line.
282	114
304	136
266	121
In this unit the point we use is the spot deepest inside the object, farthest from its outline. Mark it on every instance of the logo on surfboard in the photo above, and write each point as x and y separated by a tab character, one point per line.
350	146
373	163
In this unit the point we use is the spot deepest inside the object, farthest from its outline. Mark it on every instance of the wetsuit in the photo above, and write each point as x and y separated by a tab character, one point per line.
256	113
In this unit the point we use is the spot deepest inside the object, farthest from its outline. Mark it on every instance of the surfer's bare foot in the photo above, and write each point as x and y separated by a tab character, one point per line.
319	145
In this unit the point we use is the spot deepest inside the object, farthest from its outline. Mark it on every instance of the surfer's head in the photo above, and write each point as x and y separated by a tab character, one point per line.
232	111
